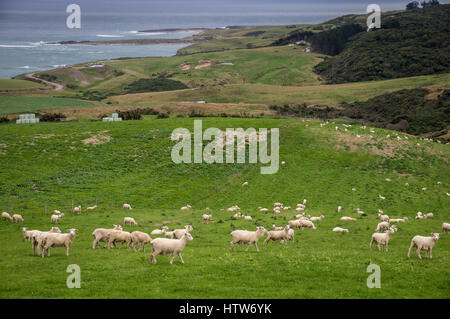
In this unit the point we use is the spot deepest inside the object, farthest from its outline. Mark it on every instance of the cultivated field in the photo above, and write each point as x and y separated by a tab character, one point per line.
129	162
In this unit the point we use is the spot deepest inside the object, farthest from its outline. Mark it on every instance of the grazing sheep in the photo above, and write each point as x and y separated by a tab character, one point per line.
187	207
178	233
277	228
37	239
340	230
245	184
140	238
278	235
237	215
58	240
165	246
291	235
6	216
294	224
313	219
247	237
445	227
247	217
27	234
384	218
101	235
345	218
383	226
77	210
306	224
360	212
263	209
339	209
398	220
92	207
129	220
406	185
388	180
382	239
423	243
56	211
126	207
420	215
56	218
429	215
119	236
381	197
300	208
233	208
206	218
160	231
276	210
16	218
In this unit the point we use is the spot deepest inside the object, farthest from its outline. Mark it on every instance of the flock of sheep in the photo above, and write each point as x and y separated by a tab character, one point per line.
42	241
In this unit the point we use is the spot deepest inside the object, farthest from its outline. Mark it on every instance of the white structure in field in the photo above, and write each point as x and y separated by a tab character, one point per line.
114	118
27	119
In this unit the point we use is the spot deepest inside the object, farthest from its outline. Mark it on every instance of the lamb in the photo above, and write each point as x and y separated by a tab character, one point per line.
187	207
126	207
429	215
245	184
172	247
159	231
91	207
101	235
276	210
423	243
291	235
420	215
306	223
345	218
17	218
384	218
237	215
119	236
382	239
56	218
129	220
37	238
445	227
178	233
247	217
247	237
313	219
140	238
340	230
286	207
77	210
58	240
382	226
398	220
233	208
206	218
278	235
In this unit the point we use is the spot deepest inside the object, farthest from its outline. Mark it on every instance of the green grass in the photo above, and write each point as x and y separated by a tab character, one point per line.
20	104
49	163
18	84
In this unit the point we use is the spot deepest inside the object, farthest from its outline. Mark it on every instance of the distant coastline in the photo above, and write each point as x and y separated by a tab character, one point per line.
128	42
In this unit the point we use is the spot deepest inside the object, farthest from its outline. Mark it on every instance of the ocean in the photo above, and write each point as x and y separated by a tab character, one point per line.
27	27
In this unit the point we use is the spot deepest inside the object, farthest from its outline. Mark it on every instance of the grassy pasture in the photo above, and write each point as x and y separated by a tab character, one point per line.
49	162
6	84
20	104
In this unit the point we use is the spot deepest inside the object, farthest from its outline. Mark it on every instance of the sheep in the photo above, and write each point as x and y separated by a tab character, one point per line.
237	215
384	218
277	228
58	240
126	207
306	223
381	197
165	246
263	209
247	217
360	212
247	237
422	216
187	207
27	234
129	220
6	216
429	215
245	184
56	218
398	220
56	212
101	235
340	230
339	209
17	218
278	235
406	184
382	239
313	219
423	243
382	226
77	209
294	224
92	207
119	236
178	233
159	231
291	235
37	239
206	218
286	207
140	238
283	163
233	208
345	218
300	208
445	227
276	210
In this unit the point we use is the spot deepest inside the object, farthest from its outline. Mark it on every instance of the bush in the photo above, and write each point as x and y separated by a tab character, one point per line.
51	117
162	116
4	120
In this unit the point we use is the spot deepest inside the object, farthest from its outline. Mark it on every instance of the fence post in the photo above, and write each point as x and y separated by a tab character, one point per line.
72	205
45	209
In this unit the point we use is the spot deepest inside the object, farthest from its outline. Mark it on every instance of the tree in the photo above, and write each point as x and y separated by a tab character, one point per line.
429	4
412	5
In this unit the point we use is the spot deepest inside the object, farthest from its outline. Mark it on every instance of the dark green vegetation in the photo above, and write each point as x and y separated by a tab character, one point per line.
130	162
412	42
159	84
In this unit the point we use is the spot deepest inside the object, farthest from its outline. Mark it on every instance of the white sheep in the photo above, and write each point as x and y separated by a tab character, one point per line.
398	220
165	246
120	236
58	240
126	207
423	243
187	207
278	235
56	218
37	238
313	219
27	234
17	218
102	235
159	231
384	218
247	237
445	227
245	184
429	215
140	238
277	228
294	223
339	209
92	207
178	233
263	209
291	235
340	230
381	197
247	217
382	239
283	163
360	212
233	208
56	212
206	218
237	215
129	220
346	218
77	209
306	224
382	226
